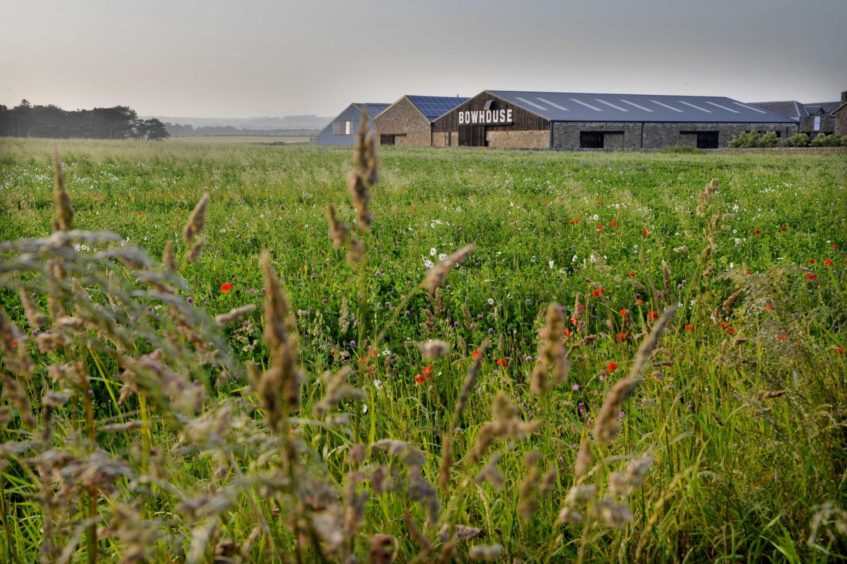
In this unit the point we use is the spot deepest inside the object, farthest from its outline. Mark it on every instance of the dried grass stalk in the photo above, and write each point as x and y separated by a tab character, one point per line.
63	220
435	277
606	426
552	368
196	221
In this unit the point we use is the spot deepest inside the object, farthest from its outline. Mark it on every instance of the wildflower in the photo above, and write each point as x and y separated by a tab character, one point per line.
567	332
756	232
768	308
839	349
614	223
377	383
475	354
639	302
782	336
226	287
645	232
689	328
573	221
811	276
813	261
551	264
433	252
827	262
502	362
597	292
631	274
490	301
372	352
652	315
610	367
783	228
834	246
623	312
599	227
428	264
602	376
575	387
427	371
419	379
622	336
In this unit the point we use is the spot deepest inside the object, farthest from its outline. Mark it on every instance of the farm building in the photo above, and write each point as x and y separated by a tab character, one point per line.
811	119
840	114
343	129
408	121
564	120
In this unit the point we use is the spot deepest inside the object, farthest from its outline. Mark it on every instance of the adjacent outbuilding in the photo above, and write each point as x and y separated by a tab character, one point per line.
408	121
343	129
569	121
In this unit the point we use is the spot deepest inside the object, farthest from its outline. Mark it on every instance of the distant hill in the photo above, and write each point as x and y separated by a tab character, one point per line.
302	122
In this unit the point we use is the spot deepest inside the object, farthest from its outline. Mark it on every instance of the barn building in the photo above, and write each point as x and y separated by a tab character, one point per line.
343	129
568	121
408	121
811	119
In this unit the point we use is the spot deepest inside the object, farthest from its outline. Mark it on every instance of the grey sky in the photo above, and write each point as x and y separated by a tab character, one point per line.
252	58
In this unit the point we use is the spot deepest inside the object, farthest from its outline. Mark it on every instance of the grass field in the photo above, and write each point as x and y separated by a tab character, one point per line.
732	442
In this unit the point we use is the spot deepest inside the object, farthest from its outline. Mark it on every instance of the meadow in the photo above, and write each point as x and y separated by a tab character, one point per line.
683	399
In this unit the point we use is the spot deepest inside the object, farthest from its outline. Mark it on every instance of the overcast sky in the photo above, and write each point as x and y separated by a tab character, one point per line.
215	58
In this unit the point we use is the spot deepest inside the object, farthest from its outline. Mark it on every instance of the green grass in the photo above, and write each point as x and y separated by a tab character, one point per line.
737	475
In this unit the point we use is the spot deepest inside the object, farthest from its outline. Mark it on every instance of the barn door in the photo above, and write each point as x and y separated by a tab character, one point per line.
472	136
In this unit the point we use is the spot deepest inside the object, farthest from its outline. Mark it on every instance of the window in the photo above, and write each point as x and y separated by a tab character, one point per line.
590	140
817	126
342	127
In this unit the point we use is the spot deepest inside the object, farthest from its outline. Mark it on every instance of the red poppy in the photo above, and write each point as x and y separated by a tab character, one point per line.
689	327
597	292
730	330
475	355
827	262
783	228
611	367
14	343
573	221
419	379
639	302
652	315
599	227
839	349
427	371
140	213
623	312
631	274
372	352
614	223
757	232
768	308
834	246
645	232
813	261
782	336
622	336
226	287
811	276
502	362
566	332
573	321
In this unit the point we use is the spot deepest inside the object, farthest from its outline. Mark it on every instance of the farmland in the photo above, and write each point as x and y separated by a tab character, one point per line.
731	441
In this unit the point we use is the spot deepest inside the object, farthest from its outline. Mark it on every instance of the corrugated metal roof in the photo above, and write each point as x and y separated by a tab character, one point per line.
372	107
580	106
788	108
435	106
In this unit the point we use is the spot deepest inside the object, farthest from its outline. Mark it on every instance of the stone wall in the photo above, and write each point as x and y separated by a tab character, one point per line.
635	136
539	139
566	134
403	118
841	120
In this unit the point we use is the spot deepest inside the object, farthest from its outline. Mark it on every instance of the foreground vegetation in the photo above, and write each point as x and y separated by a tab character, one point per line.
411	402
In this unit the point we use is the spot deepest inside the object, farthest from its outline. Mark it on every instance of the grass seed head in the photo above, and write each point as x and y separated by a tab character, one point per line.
436	275
196	221
63	220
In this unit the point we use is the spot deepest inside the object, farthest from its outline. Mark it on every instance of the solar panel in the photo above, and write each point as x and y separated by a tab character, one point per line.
434	106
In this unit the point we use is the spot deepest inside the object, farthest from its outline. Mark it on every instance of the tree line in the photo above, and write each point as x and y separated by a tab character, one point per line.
120	122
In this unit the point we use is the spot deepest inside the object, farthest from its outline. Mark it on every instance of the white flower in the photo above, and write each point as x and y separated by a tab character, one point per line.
386	352
574	259
550	264
428	264
442	257
490	301
737	241
432	252
595	217
364	408
377	383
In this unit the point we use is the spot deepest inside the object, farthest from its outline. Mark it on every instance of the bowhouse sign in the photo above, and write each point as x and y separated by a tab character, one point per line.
485	117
